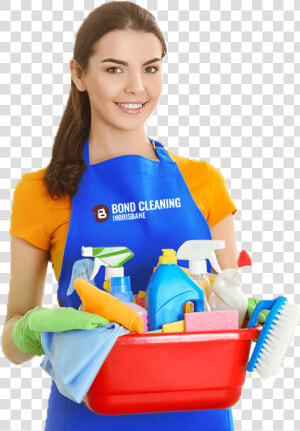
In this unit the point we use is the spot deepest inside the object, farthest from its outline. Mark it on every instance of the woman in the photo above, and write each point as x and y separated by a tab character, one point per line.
102	158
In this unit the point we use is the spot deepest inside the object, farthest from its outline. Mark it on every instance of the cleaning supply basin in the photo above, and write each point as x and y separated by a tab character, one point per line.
172	372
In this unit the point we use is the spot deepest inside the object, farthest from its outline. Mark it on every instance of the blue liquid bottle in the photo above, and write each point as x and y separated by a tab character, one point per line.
168	290
120	287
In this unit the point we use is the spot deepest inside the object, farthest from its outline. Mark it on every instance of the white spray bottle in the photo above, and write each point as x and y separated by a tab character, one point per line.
228	293
196	252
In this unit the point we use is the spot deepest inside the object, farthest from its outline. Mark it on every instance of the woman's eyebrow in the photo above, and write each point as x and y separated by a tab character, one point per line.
113	60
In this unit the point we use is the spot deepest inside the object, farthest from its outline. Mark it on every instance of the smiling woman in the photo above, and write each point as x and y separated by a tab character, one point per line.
109	184
134	92
116	33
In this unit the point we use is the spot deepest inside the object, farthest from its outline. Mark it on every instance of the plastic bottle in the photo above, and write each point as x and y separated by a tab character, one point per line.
120	287
203	282
113	258
228	294
168	290
196	252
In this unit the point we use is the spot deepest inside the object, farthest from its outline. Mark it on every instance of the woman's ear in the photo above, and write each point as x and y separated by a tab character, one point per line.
77	75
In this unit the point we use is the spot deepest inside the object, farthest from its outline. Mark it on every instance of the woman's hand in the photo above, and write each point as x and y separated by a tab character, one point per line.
26	319
27	331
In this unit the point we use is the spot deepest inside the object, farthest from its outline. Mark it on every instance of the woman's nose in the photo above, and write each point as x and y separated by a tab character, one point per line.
135	82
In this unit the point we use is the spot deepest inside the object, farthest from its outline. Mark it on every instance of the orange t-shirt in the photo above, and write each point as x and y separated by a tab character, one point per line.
44	222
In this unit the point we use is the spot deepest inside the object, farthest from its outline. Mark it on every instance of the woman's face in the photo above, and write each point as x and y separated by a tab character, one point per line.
139	80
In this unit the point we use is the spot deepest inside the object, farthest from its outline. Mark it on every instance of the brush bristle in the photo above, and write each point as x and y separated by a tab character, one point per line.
277	341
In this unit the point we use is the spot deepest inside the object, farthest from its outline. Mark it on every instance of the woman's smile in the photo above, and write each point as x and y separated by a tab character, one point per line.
131	111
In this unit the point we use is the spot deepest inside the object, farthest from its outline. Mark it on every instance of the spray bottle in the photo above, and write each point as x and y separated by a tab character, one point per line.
113	258
225	293
196	252
115	283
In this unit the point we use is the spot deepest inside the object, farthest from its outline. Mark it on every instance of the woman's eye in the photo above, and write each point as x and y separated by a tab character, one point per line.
151	67
112	68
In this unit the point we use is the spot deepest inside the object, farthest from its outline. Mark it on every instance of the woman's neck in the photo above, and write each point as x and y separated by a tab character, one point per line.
103	147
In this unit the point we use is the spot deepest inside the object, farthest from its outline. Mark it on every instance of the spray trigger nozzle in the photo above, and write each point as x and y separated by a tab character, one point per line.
197	251
110	257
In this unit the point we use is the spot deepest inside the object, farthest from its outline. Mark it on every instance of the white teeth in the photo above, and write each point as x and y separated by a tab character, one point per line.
130	106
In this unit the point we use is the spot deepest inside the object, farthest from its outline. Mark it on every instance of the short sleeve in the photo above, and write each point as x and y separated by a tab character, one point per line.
27	218
220	202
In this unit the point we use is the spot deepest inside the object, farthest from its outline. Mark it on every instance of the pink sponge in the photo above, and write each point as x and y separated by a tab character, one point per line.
211	321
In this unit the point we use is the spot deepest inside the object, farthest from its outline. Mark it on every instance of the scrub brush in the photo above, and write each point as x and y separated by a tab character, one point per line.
275	336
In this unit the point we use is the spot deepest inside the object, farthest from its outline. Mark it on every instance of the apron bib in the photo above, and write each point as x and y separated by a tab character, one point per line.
146	206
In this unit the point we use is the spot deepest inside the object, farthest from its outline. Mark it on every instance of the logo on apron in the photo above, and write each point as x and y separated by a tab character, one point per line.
101	213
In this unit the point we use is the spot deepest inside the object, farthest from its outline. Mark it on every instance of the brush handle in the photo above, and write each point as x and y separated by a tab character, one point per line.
262	305
274	306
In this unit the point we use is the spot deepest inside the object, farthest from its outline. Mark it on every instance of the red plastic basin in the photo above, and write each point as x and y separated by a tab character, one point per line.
172	372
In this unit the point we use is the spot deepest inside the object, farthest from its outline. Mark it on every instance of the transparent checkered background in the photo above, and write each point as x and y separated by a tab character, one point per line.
230	96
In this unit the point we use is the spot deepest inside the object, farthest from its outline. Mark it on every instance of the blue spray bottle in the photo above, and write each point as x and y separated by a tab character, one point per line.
168	290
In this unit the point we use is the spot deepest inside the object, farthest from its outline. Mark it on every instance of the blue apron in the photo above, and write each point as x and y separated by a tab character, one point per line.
146	206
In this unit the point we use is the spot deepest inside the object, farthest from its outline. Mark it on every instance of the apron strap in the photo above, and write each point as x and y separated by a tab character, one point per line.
161	151
155	143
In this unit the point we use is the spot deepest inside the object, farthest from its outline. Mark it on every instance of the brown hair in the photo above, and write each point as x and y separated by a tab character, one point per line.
63	174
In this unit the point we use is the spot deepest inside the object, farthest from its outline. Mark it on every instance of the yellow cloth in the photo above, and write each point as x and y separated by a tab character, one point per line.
45	222
96	301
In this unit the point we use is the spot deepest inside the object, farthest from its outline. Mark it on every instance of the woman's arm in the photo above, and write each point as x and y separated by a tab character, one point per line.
28	273
224	230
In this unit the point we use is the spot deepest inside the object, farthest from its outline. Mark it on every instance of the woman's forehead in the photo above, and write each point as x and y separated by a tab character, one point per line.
125	44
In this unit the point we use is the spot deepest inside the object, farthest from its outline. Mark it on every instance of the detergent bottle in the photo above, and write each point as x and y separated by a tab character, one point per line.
196	252
228	294
113	258
168	290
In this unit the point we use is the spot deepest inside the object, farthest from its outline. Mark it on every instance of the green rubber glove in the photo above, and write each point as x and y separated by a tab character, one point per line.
252	303
27	331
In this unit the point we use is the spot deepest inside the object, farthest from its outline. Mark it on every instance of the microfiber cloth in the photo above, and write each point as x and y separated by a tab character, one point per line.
73	358
96	301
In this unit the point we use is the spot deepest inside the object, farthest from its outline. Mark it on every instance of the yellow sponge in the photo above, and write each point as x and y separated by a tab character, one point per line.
178	326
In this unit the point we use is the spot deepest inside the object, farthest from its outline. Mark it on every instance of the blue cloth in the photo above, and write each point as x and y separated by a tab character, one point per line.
146	206
73	358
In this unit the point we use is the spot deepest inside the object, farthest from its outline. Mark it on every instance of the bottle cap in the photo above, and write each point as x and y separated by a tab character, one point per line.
197	267
168	256
113	272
